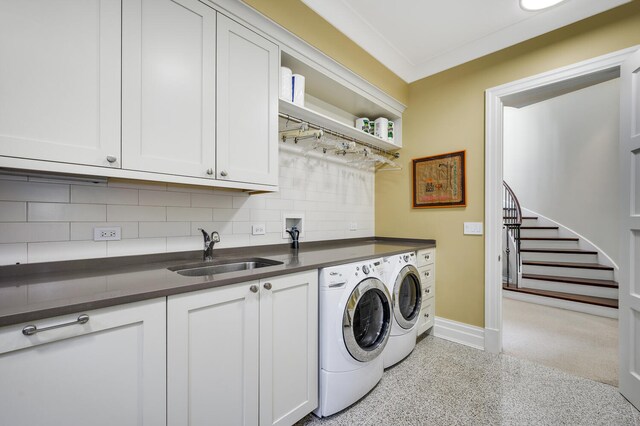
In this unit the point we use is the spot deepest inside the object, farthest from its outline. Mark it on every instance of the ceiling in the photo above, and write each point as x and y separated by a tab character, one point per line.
418	38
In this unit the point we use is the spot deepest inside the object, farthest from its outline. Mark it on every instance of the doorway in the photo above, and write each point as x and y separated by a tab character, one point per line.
542	86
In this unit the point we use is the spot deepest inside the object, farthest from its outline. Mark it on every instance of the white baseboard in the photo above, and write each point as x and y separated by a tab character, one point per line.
459	332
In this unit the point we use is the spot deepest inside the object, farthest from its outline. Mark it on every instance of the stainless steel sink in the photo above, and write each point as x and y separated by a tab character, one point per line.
215	267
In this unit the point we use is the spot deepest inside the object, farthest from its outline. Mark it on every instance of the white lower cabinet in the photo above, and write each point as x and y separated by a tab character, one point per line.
244	354
427	271
107	371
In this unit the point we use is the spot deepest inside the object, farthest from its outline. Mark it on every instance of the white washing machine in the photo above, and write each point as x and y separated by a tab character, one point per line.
355	322
403	282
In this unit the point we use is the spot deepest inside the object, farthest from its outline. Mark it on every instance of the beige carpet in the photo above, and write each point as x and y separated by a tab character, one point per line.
581	344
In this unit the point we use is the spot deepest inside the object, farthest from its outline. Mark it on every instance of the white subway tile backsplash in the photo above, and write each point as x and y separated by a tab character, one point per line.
67	250
136	213
84	230
164	198
13	211
189	214
266	215
43	220
136	246
164	229
103	195
222	228
55	212
10	254
278	204
33	191
231	215
242	227
248	202
212	200
184	243
27	232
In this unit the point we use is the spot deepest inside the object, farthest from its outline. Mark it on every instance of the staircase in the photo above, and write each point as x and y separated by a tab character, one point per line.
557	270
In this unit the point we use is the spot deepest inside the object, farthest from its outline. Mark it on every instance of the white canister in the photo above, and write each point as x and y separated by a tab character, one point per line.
286	88
391	133
381	127
363	124
298	89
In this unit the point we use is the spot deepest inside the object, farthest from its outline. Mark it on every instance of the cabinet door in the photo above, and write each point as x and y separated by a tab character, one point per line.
288	348
168	87
60	81
247	88
108	371
213	357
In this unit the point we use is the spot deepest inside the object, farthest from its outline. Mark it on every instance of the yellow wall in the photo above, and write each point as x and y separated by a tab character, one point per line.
446	113
296	17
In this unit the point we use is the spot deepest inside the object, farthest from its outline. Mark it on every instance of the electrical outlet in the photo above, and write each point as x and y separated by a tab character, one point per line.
258	229
473	228
107	234
353	226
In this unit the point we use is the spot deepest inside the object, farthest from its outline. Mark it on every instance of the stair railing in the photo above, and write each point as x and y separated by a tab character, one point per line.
512	221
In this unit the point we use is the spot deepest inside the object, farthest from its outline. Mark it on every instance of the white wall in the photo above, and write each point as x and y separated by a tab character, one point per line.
561	160
46	220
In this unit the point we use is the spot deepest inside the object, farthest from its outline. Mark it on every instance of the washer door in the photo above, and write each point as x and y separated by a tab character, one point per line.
407	297
366	323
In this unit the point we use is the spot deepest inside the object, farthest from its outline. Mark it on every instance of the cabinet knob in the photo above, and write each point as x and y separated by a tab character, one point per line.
253	288
428	291
111	159
209	172
267	286
426	315
224	173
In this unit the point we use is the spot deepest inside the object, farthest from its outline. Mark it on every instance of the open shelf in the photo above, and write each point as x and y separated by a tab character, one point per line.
321	120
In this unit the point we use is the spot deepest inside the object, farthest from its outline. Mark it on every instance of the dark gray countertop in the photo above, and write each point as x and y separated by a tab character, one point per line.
37	291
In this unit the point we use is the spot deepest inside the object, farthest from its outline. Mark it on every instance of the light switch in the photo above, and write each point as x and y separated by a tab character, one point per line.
473	228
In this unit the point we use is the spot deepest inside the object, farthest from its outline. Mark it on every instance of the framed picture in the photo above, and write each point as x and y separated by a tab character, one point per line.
439	181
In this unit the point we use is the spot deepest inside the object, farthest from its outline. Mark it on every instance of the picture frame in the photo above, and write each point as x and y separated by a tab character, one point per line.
440	181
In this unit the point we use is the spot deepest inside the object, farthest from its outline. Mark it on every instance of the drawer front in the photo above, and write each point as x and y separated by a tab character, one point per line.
426	257
427	274
428	291
426	316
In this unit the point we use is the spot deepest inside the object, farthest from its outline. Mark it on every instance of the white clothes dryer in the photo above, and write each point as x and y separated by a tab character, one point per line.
355	322
403	282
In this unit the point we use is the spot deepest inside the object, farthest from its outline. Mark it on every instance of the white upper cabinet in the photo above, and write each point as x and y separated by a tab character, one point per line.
247	113
60	80
168	87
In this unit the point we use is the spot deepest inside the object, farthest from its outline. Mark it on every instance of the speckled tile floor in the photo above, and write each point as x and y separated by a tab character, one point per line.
444	383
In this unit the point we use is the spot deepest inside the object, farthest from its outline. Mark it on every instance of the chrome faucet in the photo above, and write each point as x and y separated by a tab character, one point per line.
209	242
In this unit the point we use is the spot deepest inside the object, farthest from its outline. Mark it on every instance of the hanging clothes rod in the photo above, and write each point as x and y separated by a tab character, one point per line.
339	135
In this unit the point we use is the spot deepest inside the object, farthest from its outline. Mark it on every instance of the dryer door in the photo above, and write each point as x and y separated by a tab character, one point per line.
366	322
407	297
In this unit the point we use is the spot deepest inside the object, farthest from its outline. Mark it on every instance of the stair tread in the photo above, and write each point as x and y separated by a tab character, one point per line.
553	250
580	298
549	238
578	265
538	227
572	280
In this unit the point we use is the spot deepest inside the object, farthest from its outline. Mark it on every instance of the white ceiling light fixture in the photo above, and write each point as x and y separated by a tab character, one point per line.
534	5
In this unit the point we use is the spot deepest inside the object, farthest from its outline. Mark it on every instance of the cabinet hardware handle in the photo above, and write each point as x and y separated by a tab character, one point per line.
253	288
267	286
209	172
30	330
111	158
223	173
426	315
428	291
